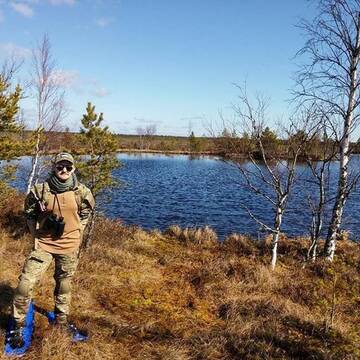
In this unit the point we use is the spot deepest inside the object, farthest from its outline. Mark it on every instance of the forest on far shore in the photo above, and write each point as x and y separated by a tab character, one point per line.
221	145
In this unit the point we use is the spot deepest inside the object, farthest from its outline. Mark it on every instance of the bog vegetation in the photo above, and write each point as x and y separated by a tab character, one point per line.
183	295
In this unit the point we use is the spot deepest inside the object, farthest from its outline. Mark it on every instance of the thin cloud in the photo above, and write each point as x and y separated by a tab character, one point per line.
147	121
95	88
73	80
66	78
192	118
104	21
100	92
2	18
28	2
23	9
11	49
62	2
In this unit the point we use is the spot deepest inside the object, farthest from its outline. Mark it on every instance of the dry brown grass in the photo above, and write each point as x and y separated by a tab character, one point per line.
199	236
182	295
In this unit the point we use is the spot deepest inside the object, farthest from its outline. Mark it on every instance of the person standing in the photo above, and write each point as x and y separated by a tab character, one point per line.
57	212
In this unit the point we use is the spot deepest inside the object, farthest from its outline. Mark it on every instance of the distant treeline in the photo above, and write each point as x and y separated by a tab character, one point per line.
179	144
223	145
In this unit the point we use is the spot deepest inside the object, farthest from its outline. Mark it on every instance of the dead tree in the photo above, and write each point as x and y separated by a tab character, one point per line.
49	99
150	131
141	132
145	135
271	175
330	78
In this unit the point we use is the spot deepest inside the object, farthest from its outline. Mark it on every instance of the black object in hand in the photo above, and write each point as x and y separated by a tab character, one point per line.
54	224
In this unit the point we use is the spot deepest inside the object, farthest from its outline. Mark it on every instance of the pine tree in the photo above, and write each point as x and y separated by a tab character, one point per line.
9	107
270	141
11	145
100	147
95	168
194	143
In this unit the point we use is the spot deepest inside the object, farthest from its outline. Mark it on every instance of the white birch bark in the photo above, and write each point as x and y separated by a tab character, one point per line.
275	239
271	178
49	97
317	220
34	165
330	244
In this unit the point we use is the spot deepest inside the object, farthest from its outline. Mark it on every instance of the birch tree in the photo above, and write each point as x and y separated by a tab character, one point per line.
271	175
141	132
49	100
330	78
319	197
145	135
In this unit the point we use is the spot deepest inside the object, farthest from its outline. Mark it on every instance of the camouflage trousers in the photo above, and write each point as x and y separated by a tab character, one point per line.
35	266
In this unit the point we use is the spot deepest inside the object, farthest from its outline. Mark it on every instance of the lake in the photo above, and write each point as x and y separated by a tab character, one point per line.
160	190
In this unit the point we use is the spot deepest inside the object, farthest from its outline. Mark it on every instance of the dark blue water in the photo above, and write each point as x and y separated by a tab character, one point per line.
159	191
163	190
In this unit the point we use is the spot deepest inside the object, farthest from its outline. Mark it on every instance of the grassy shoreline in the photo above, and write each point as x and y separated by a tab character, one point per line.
183	295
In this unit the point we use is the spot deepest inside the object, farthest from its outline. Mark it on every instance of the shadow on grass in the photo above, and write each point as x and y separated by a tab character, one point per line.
6	298
287	337
277	345
14	223
299	339
315	331
268	344
147	331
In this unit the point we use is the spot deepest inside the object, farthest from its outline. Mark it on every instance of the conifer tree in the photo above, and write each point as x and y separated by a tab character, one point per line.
194	143
100	146
11	145
9	107
95	168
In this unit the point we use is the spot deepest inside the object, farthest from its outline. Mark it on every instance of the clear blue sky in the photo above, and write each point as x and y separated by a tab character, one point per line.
169	63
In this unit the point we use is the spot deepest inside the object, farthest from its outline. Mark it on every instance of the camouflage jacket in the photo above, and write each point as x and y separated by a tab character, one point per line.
41	192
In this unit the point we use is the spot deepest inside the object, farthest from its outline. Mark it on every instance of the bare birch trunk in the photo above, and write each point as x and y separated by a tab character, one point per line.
311	254
275	239
317	219
274	246
34	164
330	243
335	223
